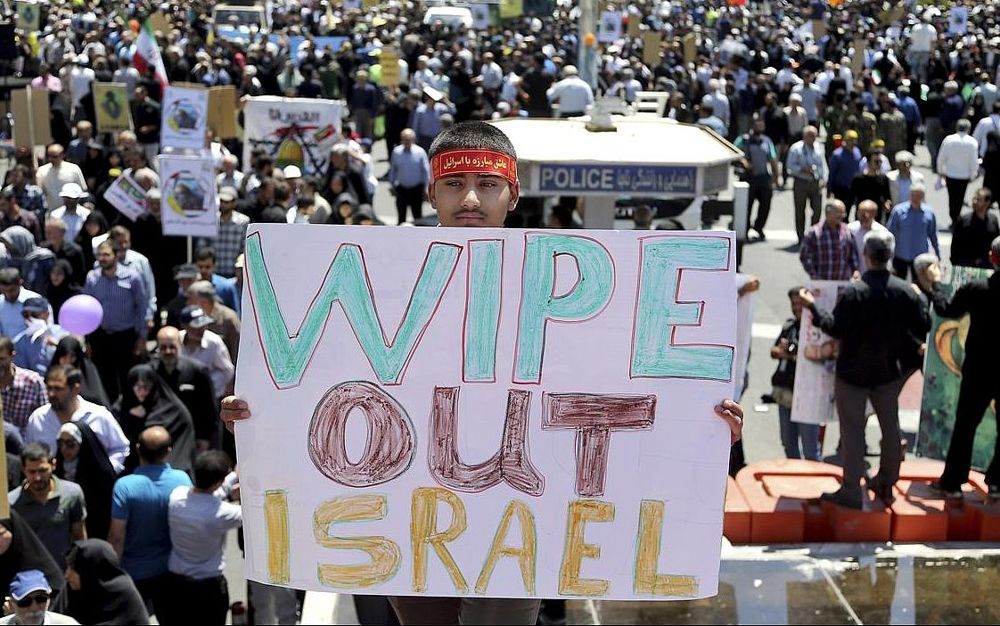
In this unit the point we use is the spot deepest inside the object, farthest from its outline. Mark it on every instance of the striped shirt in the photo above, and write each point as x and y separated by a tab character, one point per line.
229	244
25	394
123	297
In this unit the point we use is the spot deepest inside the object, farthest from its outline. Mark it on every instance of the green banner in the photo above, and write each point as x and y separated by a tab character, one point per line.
943	378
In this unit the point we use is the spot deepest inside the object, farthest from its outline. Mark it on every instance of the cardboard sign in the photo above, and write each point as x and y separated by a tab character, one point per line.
159	22
494	439
295	131
651	48
943	380
813	402
222	109
189	207
389	62
127	196
690	42
30	108
858	58
634	24
29	15
112	107
185	117
819	29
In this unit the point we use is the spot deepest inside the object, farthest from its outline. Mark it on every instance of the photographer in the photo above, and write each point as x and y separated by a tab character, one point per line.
785	351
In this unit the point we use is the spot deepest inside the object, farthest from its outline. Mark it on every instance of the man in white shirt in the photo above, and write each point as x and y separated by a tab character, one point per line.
71	212
923	36
52	176
987	125
490	75
901	178
866	211
80	79
199	523
65	405
572	93
206	347
958	163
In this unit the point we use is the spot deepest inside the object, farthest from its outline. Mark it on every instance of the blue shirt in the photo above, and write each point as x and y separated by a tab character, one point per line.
123	297
226	292
910	110
801	156
912	229
32	351
141	500
409	167
12	313
844	166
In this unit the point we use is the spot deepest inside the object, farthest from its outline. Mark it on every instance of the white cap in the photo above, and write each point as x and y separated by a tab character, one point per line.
71	190
292	171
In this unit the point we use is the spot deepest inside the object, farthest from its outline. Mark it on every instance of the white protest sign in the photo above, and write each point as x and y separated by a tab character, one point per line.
815	367
609	29
432	385
481	19
127	196
188	204
294	131
958	20
185	118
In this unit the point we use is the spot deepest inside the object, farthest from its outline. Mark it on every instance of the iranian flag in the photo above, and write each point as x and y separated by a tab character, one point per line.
146	54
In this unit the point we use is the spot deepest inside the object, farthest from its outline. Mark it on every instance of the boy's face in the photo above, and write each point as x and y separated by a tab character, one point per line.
472	200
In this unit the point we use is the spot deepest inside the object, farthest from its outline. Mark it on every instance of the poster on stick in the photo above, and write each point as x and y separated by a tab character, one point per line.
112	108
815	371
188	205
185	118
294	131
127	196
437	422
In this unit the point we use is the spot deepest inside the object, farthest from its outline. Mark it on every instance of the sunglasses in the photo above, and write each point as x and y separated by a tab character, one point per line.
35	598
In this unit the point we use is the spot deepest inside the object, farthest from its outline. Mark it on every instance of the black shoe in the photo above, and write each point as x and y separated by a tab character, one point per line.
881	490
993	492
842	499
942	492
760	234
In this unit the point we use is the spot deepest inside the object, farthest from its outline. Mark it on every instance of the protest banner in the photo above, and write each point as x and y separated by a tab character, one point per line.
815	371
222	109
29	15
188	200
295	131
943	379
332	43
609	28
184	117
359	364
510	9
482	17
958	20
127	196
111	106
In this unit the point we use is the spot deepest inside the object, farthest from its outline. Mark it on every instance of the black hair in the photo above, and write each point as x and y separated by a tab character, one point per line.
204	253
794	292
72	374
6	344
36	451
211	468
473	136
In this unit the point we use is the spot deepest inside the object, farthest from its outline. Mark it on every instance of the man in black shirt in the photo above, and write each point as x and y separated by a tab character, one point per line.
146	117
535	85
974	231
191	382
981	301
878	320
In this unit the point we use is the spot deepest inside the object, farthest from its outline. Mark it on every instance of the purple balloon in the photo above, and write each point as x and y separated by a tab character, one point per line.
81	314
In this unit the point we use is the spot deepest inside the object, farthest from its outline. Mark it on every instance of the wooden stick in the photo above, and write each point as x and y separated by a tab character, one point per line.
4	487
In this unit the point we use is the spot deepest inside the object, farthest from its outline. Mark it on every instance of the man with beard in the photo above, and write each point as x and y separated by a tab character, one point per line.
191	382
122	335
470	196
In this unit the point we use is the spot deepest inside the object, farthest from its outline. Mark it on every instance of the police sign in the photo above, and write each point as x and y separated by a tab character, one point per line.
624	179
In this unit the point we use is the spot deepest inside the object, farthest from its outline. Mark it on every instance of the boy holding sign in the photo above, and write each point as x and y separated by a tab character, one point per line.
474	183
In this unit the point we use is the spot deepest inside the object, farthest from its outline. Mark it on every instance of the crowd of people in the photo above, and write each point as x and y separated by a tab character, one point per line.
122	479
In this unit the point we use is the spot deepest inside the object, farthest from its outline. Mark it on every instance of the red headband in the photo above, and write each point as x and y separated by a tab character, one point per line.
455	162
